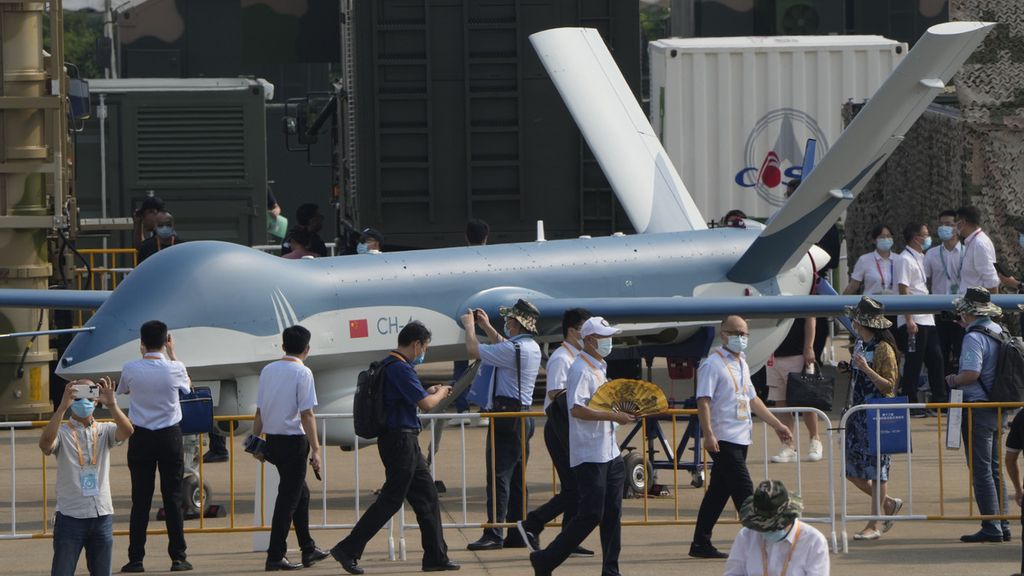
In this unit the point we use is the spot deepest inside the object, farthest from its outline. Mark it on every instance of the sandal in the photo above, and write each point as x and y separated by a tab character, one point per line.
897	505
867	535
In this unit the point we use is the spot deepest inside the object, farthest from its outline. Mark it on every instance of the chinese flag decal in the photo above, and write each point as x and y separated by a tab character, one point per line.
358	329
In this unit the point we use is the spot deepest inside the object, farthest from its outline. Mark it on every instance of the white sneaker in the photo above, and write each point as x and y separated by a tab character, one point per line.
814	454
787	454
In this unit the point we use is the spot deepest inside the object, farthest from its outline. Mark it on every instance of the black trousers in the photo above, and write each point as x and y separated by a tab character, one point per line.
408	478
288	454
729	479
600	504
148	450
567	499
507	472
951	339
928	352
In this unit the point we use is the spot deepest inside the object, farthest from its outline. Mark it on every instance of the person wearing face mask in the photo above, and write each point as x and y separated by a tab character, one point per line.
508	372
875	272
556	434
773	539
284	412
916	332
725	402
943	264
406	473
309	218
593	456
164	236
370	242
979	252
874	375
82	446
979	359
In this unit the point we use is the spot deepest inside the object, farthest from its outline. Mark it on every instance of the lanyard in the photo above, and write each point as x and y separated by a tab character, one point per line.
785	565
570	349
960	269
159	245
78	447
967	241
292	359
878	265
920	264
743	380
153	356
597	372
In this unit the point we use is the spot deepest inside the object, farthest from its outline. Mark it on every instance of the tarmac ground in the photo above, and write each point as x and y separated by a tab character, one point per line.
911	548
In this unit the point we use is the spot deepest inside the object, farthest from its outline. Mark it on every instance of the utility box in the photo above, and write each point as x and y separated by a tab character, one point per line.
198	144
734	114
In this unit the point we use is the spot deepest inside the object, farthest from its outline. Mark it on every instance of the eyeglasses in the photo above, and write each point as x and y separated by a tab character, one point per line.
735	333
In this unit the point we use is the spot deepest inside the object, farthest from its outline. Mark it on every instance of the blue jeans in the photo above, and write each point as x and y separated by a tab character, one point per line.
70	535
985	459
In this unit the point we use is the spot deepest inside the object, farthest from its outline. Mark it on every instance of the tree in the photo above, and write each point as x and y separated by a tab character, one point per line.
81	30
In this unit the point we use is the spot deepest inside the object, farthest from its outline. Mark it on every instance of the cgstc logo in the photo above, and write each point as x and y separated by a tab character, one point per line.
767	170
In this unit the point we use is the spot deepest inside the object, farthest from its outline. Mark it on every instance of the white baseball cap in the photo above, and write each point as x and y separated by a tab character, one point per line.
598	326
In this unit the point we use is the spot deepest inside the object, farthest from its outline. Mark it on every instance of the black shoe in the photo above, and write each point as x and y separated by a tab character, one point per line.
282	564
133	567
180	565
537	569
582	552
214	457
310	557
529	538
918	413
1006	536
485	543
707	552
980	536
448	565
347	562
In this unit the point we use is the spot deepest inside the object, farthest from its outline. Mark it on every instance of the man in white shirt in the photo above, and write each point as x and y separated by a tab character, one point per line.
594	458
979	253
153	383
725	402
773	533
916	333
556	434
943	264
512	362
284	411
85	512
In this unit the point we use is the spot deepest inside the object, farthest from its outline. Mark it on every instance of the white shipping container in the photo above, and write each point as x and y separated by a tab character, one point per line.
734	114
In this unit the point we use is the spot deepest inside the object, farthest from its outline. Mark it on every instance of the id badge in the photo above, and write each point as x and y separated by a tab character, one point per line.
88	481
743	408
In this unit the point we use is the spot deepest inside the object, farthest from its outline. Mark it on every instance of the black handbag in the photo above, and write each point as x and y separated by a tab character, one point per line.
807	390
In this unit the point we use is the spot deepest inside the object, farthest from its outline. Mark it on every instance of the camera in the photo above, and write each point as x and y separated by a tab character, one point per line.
89	391
255	445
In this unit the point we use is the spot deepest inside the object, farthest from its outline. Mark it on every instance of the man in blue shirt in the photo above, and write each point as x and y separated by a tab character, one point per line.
407	476
510	366
978	359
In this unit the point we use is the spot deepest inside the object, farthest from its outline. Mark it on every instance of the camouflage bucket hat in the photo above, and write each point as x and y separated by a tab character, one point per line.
526	313
868	312
977	302
771	507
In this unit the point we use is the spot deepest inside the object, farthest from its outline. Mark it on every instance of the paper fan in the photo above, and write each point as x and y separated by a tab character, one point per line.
637	397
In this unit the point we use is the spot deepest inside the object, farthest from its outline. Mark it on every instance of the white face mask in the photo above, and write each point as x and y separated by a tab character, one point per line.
737	343
773	536
362	248
604	347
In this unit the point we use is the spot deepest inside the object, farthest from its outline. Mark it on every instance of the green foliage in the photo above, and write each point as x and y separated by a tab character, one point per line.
655	22
81	30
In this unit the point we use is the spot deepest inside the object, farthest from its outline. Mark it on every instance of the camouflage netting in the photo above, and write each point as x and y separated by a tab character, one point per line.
971	155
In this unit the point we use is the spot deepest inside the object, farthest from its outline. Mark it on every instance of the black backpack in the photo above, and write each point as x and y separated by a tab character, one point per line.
369	416
1009	382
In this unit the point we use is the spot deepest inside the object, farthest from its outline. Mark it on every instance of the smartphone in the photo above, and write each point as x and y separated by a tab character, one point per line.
89	391
1001	269
315	471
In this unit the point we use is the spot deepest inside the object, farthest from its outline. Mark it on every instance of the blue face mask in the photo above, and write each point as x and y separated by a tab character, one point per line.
946	233
164	232
419	359
362	248
737	343
604	347
1020	240
773	536
926	244
884	244
82	408
505	331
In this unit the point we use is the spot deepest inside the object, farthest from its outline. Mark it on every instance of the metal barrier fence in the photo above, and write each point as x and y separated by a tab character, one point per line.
909	515
105	268
651	516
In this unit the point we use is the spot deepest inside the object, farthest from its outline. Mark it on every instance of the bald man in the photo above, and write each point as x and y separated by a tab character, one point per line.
725	402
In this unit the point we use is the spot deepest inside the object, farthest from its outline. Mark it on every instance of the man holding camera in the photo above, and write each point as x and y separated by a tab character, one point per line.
153	383
82	446
284	410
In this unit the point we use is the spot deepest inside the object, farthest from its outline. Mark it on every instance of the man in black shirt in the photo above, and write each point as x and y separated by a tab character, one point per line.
164	236
794	354
308	217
